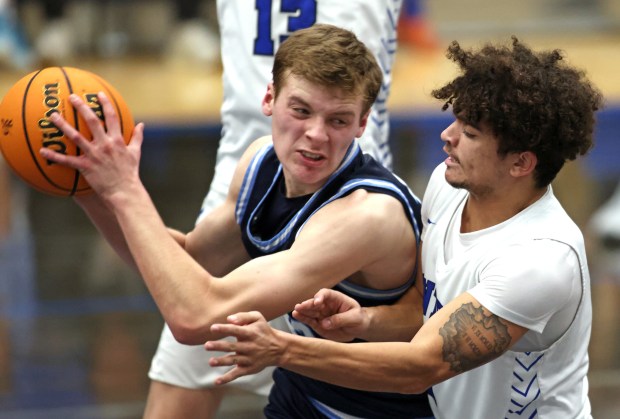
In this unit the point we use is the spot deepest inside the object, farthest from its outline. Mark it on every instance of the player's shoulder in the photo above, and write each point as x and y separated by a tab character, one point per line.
245	161
258	144
367	208
254	147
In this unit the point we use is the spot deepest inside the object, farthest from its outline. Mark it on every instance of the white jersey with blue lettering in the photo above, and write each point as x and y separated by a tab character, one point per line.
250	33
530	270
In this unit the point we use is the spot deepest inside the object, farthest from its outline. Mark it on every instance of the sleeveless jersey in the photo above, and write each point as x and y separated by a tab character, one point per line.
530	270
358	171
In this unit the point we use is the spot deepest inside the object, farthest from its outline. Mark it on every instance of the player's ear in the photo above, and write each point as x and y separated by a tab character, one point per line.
363	124
269	99
524	163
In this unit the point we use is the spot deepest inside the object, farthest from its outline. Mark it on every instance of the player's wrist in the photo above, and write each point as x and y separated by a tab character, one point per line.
368	319
127	196
287	346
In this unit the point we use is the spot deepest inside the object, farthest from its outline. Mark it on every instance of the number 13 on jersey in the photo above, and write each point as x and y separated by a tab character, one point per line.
300	14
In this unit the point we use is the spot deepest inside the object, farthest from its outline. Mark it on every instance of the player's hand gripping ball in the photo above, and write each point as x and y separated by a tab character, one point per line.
26	127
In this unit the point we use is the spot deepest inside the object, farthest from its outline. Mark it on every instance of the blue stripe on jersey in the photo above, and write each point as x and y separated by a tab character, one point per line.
329	412
282	236
248	181
378	184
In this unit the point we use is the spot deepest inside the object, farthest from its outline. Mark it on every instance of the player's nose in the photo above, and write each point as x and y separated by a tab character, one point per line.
316	129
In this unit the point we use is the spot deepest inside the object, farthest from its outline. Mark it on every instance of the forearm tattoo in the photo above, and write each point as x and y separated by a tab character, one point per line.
472	338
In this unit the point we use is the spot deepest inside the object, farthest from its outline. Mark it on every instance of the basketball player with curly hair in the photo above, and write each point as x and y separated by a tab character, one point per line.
507	312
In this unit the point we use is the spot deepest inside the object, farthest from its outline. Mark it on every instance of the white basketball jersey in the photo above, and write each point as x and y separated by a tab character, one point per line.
530	270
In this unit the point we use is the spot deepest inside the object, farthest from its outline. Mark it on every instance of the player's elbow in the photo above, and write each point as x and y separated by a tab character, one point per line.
187	330
415	386
188	336
417	378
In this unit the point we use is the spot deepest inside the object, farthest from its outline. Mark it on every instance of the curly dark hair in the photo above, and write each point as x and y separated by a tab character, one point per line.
531	100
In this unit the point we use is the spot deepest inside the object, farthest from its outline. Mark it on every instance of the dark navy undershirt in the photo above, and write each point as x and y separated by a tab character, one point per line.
276	212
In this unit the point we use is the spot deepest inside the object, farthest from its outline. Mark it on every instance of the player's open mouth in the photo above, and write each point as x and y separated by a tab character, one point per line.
311	156
452	159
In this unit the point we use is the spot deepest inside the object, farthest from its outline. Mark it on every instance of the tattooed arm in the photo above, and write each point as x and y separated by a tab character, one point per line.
461	336
472	335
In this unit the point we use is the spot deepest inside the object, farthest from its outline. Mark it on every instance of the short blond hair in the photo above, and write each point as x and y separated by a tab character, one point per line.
332	57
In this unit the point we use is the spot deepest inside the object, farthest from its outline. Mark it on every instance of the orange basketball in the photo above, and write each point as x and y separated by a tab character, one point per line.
26	127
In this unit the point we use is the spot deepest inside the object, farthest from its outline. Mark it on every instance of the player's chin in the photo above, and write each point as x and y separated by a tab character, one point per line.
312	177
456	181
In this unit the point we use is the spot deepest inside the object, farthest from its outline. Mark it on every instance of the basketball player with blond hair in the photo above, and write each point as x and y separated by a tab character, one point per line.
250	34
306	209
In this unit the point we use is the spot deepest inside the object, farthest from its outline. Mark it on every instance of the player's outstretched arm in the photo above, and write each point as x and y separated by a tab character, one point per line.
377	242
461	336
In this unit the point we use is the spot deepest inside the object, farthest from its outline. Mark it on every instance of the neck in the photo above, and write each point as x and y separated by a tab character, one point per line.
486	211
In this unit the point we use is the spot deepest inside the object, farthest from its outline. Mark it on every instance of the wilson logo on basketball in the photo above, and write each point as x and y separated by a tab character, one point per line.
51	134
